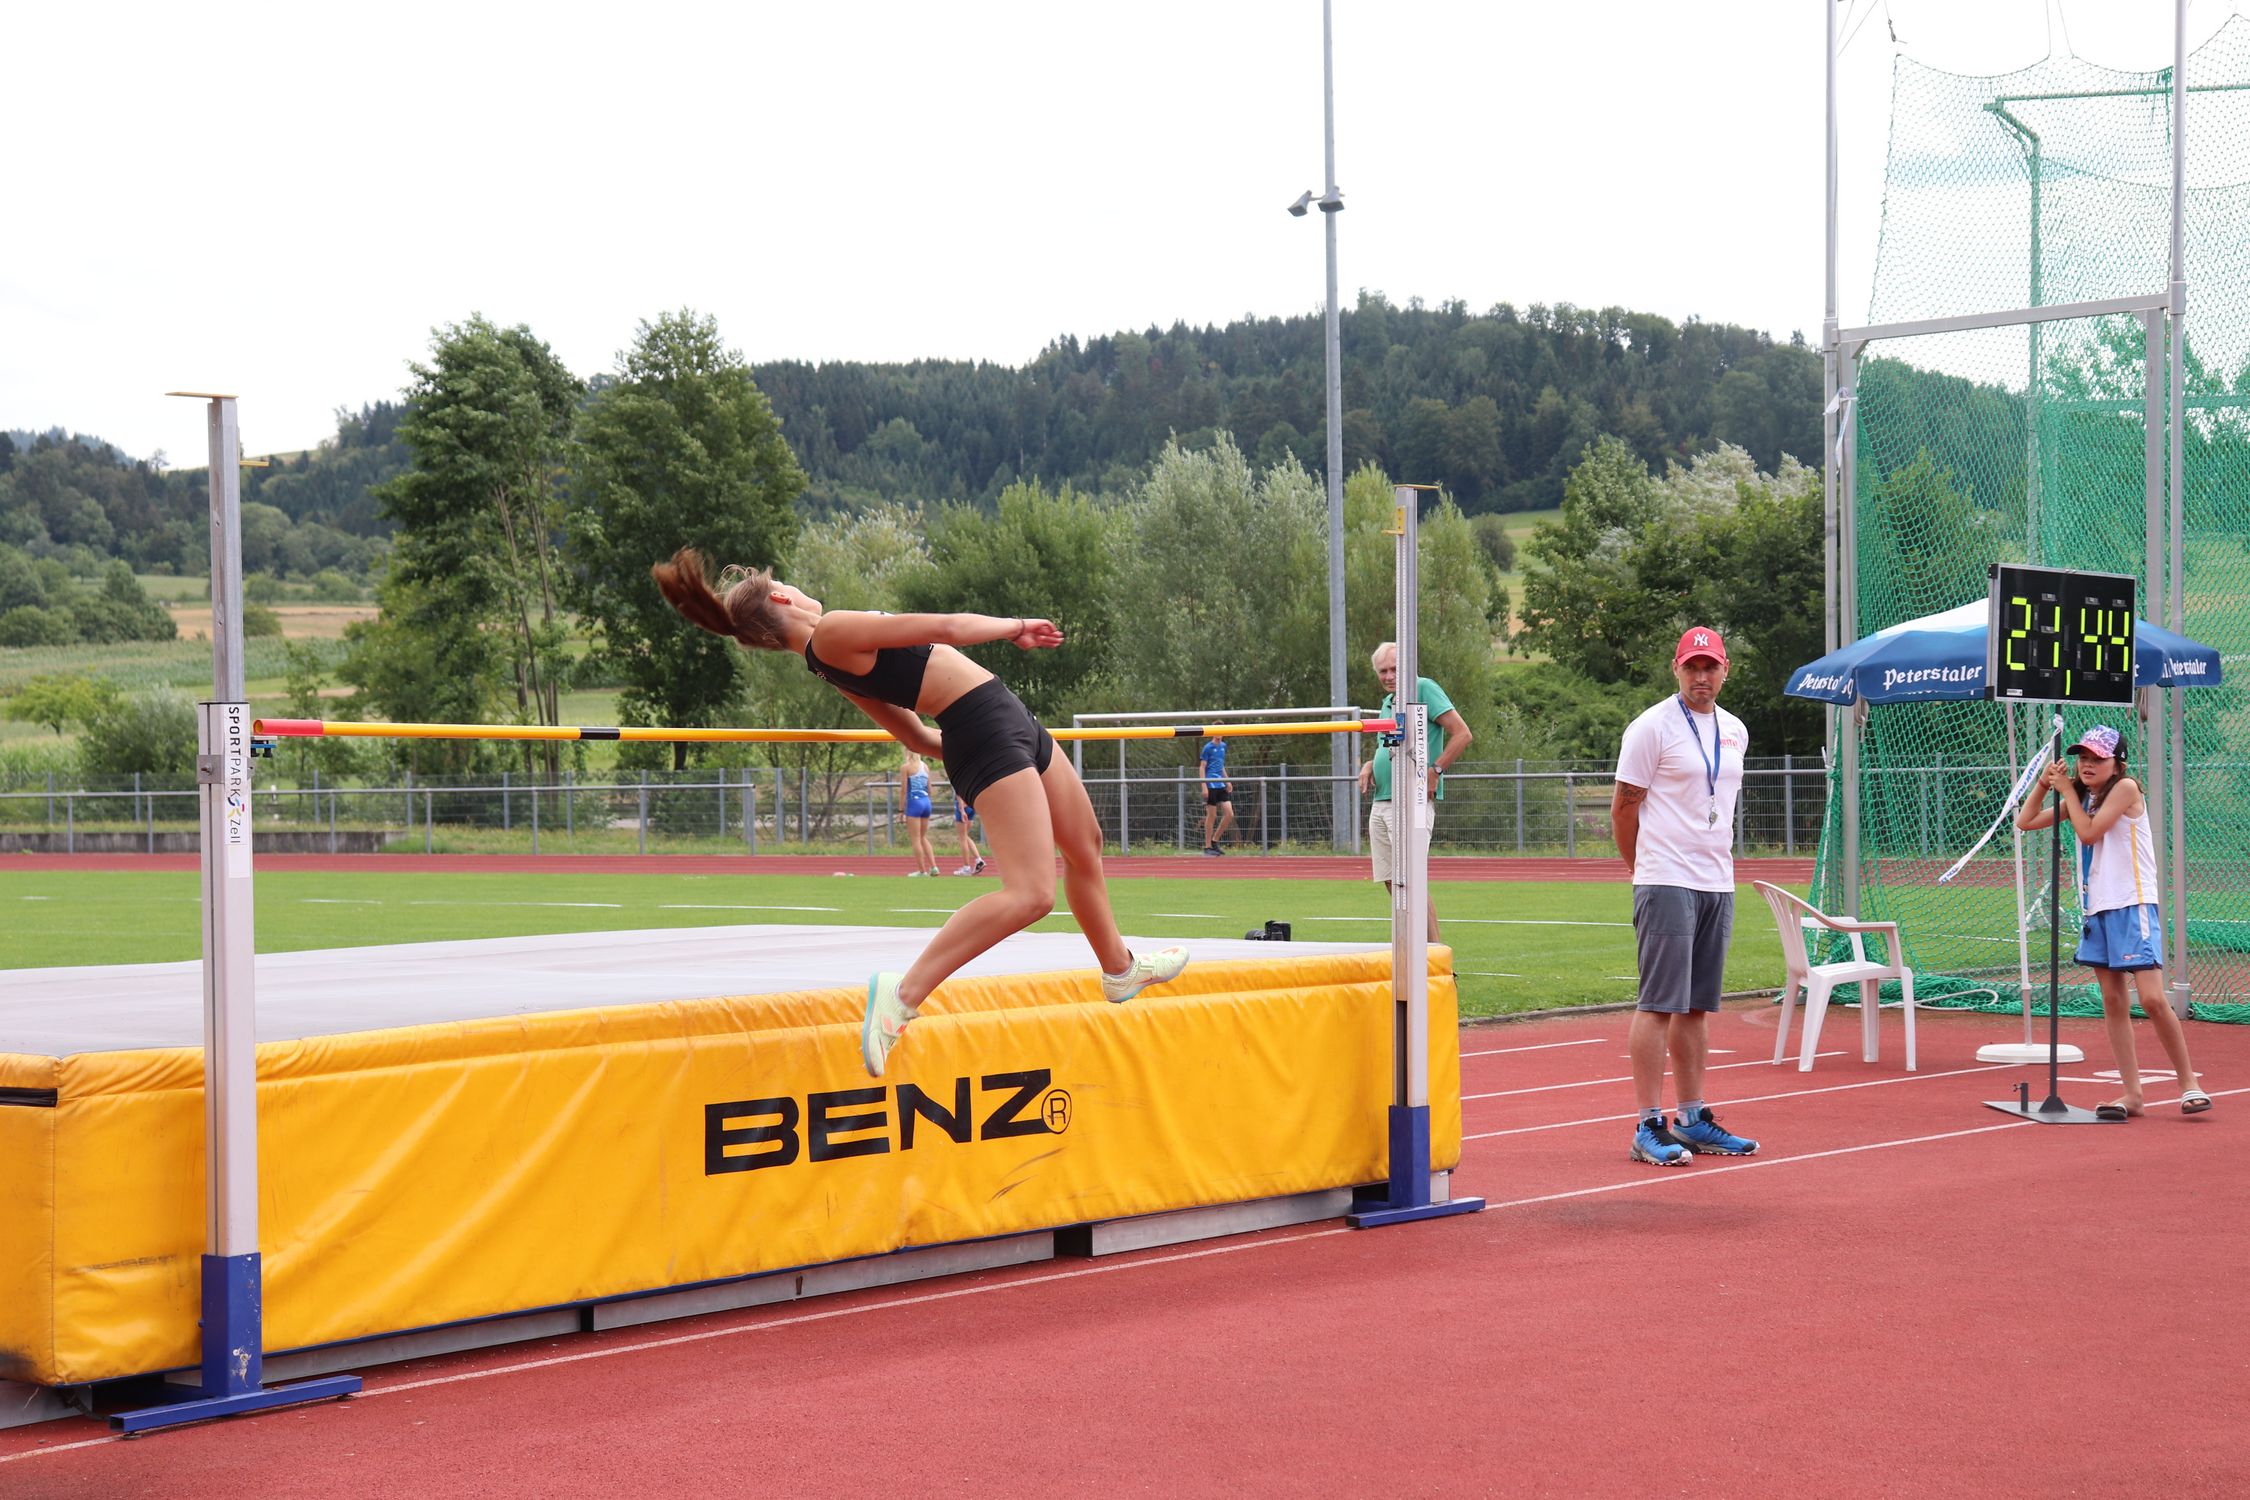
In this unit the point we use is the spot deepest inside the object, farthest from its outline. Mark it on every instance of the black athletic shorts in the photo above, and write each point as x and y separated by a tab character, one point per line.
990	734
1214	795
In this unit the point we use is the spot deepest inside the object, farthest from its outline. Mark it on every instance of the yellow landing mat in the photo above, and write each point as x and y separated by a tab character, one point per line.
432	1173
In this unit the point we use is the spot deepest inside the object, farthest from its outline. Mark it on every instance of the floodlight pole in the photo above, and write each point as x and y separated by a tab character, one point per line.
1407	1194
1343	790
233	1321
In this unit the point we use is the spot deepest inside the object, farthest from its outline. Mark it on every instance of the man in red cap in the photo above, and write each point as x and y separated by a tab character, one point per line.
1678	775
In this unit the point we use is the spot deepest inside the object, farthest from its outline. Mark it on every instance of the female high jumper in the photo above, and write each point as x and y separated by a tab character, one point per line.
898	668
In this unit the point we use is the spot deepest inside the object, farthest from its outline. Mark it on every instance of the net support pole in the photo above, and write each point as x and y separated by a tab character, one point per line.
1407	1194
1847	619
2181	981
233	1324
2155	708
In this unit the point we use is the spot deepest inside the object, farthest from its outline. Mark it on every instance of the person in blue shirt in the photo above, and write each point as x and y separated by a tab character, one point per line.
914	806
1218	796
965	828
1451	734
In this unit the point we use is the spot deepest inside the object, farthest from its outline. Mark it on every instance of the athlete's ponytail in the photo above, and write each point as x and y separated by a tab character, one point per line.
744	614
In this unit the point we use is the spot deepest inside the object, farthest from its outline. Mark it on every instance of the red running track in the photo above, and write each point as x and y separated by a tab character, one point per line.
1902	1294
1790	872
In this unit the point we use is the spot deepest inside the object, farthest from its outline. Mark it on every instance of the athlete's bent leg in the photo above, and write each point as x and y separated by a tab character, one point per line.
1078	838
1016	825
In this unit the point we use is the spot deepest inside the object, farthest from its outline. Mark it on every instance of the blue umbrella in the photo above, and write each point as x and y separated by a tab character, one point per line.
1941	656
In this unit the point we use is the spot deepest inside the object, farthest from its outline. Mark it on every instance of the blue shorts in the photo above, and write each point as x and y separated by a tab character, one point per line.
2125	938
917	807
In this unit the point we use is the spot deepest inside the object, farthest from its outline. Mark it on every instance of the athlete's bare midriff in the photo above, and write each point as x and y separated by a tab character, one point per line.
948	676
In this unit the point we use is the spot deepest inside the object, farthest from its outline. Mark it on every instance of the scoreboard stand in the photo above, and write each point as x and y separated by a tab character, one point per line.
2060	636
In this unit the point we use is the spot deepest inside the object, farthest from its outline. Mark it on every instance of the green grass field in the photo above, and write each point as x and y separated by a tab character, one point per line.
1517	947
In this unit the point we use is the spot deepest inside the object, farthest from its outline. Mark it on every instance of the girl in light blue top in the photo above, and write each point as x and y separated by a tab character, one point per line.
914	792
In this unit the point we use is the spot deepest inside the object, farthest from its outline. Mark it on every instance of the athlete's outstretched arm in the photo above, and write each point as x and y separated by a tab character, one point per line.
846	630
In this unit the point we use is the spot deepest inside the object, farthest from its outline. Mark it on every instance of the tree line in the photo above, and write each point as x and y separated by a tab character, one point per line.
1496	406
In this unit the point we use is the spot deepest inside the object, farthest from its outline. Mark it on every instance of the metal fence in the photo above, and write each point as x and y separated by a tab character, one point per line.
1521	807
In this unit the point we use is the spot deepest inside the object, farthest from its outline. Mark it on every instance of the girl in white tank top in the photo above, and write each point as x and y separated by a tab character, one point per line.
2117	868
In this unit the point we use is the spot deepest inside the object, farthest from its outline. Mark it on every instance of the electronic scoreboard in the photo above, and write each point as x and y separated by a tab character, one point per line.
2058	636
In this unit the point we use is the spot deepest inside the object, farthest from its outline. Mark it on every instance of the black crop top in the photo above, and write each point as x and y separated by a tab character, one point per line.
897	678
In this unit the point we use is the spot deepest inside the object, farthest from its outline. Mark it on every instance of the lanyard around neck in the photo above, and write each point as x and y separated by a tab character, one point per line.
1717	751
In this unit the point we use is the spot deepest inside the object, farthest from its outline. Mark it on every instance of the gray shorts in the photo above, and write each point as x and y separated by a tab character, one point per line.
1682	936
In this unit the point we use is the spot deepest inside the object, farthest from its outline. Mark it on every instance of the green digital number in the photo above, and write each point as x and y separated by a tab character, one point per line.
2019	633
2054	649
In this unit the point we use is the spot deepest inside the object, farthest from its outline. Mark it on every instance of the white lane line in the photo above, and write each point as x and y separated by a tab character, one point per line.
1587	1083
1744	1164
35	898
337	901
1487	974
1592	1041
1530	922
1211	914
605	905
1834	1088
1384	920
720	906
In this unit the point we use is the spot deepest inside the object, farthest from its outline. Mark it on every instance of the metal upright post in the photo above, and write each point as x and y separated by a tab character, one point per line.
1847	621
2181	980
2052	1111
1407	1194
233	1323
1831	413
2153	729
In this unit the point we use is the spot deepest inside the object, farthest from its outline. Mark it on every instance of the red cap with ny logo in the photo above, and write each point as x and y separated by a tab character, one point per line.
1700	640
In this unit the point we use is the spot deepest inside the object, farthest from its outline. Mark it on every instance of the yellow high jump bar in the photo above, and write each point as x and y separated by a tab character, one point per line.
349	729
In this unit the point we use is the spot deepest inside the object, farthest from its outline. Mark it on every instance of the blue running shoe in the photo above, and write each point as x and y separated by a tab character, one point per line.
1705	1134
1658	1147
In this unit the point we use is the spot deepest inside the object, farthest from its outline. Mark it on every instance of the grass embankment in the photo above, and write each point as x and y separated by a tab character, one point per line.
1517	947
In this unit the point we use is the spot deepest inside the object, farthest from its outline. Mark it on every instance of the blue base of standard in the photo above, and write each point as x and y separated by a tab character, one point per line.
1407	1196
233	1357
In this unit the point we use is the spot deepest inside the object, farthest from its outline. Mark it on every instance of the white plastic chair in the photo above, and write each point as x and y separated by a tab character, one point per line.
1794	916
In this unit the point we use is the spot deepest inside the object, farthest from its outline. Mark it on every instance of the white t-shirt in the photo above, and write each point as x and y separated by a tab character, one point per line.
1679	842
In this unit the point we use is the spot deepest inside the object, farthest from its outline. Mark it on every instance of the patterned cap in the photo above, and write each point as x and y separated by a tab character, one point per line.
2101	742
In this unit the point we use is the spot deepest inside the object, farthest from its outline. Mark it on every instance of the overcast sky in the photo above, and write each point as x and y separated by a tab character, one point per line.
281	202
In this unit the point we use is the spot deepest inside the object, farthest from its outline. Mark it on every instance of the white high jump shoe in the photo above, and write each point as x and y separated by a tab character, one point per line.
1159	967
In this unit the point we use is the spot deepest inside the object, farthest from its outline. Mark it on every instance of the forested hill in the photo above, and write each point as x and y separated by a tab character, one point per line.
1496	406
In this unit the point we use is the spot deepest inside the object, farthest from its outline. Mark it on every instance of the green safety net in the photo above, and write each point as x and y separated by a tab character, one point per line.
2025	443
